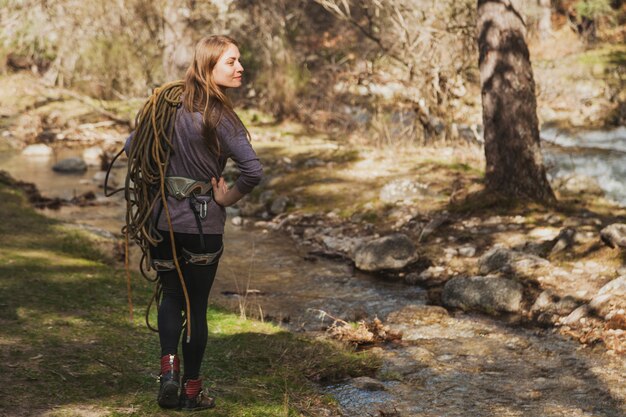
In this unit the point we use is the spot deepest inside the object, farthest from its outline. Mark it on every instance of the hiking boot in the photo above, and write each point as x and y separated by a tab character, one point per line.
192	398
170	381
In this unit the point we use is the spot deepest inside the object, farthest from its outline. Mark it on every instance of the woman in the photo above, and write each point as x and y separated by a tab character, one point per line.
206	133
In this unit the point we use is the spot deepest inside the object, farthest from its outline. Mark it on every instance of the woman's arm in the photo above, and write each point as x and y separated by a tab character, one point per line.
238	148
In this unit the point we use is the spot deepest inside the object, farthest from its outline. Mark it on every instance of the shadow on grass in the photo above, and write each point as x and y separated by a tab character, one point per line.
66	343
65	331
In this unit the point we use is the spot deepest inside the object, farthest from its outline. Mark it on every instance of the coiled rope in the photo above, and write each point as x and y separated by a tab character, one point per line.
148	159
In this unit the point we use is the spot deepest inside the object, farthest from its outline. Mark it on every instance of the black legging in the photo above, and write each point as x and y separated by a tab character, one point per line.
198	280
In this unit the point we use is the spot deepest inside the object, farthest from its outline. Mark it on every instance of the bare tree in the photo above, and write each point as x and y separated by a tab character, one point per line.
425	46
512	148
106	49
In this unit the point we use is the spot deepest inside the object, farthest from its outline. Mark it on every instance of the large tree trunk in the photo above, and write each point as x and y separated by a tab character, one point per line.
514	162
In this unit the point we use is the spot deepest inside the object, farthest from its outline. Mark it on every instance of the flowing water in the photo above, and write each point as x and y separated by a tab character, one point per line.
461	365
599	154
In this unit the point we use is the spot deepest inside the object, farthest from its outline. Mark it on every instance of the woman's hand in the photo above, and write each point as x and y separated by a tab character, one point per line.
220	190
223	195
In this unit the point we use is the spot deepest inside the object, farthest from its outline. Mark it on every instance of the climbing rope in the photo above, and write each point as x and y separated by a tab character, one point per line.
148	159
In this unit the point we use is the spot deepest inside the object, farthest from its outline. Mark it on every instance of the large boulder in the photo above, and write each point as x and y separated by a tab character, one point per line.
390	252
485	293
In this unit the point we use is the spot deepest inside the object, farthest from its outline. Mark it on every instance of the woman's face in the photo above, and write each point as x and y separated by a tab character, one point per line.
228	71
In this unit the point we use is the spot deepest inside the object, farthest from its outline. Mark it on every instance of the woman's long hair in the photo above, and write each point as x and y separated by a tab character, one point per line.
202	94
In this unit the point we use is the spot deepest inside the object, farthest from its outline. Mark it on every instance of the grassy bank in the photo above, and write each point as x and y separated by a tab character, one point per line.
67	347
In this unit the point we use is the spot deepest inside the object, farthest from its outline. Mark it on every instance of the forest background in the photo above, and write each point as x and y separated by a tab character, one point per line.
387	71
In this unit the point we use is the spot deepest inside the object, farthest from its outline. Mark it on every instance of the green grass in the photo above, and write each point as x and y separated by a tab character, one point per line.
67	345
460	167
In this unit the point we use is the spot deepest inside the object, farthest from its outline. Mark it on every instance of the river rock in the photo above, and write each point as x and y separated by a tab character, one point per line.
544	302
38	150
92	156
70	165
402	190
566	305
390	252
548	303
467	251
575	316
279	205
612	296
510	261
485	293
341	244
614	235
565	240
432	275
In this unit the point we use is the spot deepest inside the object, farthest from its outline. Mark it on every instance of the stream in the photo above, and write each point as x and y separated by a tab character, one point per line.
600	155
448	364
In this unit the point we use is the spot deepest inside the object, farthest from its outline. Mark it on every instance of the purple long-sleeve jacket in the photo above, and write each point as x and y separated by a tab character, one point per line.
191	159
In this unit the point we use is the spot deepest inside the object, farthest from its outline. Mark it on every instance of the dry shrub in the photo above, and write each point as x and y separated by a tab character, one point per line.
363	333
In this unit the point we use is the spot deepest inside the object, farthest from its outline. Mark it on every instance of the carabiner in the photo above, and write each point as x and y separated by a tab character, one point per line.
204	207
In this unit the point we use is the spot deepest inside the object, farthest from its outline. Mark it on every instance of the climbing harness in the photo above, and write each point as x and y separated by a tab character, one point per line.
146	186
181	187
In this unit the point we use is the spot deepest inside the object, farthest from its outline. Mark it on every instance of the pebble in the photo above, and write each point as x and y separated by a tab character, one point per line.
467	251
